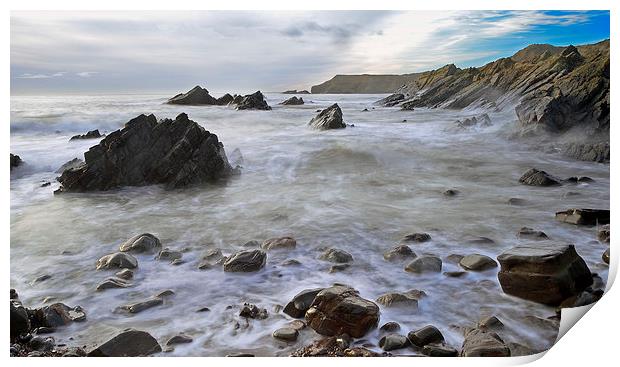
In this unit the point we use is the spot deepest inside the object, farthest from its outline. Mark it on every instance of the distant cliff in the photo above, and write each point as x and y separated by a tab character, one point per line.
363	84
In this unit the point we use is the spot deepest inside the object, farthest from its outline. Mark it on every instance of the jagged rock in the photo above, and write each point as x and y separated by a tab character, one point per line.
143	305
74	163
144	242
15	161
340	309
482	120
480	343
169	255
531	234
595	152
286	334
112	283
129	343
117	260
336	256
302	301
329	118
393	342
293	101
58	314
279	243
391	100
332	347
534	177
225	99
544	272
586	217
251	311
255	101
246	261
426	335
175	153
477	262
196	96
398	253
93	134
424	264
416	237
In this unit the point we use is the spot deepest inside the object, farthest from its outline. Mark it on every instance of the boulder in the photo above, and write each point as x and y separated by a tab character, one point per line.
246	261
587	217
125	274
145	242
393	342
169	255
250	311
336	256
534	177
490	322
398	253
397	299
302	301
416	237
225	100
58	314
129	343
439	350
390	327
255	101
74	163
482	120
603	233
424	264
15	161
143	305
293	101
286	334
340	309
480	343
174	153
19	321
531	234
279	243
196	96
329	118
426	335
544	272
93	134
477	262
120	260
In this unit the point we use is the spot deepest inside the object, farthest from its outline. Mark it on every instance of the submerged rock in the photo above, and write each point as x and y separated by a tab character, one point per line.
333	347
143	305
587	217
175	153
534	177
15	161
397	299
595	152
195	96
251	311
246	261
336	256
424	264
93	134
531	234
398	253
255	101
112	283
439	350
329	118
279	243
120	260
129	343
481	120
293	101
416	237
179	339
144	242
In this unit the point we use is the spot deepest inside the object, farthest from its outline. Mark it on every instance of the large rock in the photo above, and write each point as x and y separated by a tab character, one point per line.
340	310
293	101
119	260
544	272
144	242
534	177
329	118
255	101
19	321
129	343
336	256
279	243
175	153
480	343
15	161
424	264
58	314
426	335
246	261
196	96
301	303
587	217
74	163
477	262
93	134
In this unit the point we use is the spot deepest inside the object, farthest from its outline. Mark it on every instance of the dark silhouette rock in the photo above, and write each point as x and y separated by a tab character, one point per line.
302	301
15	161
426	335
255	101
534	177
196	96
293	101
329	118
129	343
225	99
74	163
93	134
391	100
586	217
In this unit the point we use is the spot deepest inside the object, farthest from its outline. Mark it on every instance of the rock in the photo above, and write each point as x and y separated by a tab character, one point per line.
225	100
41	344
544	272
338	268
329	118
455	274
336	256
120	260
129	343
169	255
390	327
490	322
279	243
424	264
16	161
517	201
19	321
203	309
295	91
251	244
416	237
58	314
439	350
451	192
143	305
426	335
212	255
399	253
145	242
534	177
340	309
46	184
291	262
454	258
605	257
93	134
165	293
297	324
531	234
112	283
196	96
41	278
293	101
391	100
479	343
179	339
477	262
585	151
74	163
579	179
174	153
481	120
393	341
302	301
246	261
125	274
240	355
253	312
255	101
397	299
332	347
587	217
286	334
604	234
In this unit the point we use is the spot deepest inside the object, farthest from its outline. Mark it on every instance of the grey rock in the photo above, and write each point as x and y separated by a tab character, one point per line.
393	342
143	305
120	260
480	343
416	237
125	274
531	234
74	163
329	118
439	350
246	261
424	264
293	101
93	134
399	253
169	255
255	101
587	217
179	339
112	283
477	262
144	242
129	343
395	299
279	243
534	177
336	256
286	334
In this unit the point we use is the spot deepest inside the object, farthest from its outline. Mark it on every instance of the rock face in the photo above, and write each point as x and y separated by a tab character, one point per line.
15	161
544	272
535	177
175	153
365	83
225	100
74	163
129	343
144	242
329	118
293	101
246	261
482	120
340	310
586	217
93	134
196	96
255	101
391	100
119	260
596	151
479	343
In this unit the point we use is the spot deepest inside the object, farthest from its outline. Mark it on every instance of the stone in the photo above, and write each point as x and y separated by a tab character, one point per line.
490	322
517	201
451	192
16	161
169	255
212	255
482	120
58	314
165	293
336	256
477	262
338	268
455	274
125	274
603	233
416	237
424	264
454	258
19	320
225	99
143	305
293	101
297	324
480	343
112	283
74	163
605	257
119	260
93	134
329	118
251	311
286	334
279	243
391	100
340	309
46	184
534	177
439	350
544	272
255	101
129	343
246	261
41	278
332	347
141	243
586	151
174	153
291	262
397	300
302	301
179	339
426	335
393	342
399	253
390	327
586	217
531	234
196	96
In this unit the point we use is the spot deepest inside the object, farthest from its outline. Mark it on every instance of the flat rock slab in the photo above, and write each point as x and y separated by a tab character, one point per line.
143	305
477	262
129	343
587	217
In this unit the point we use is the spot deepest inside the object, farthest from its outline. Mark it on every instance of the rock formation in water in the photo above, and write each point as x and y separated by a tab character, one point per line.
93	134
15	161
365	83
295	91
196	96
329	118
293	101
175	153
254	101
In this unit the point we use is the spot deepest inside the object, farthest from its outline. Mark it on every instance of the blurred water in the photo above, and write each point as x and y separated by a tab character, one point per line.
359	189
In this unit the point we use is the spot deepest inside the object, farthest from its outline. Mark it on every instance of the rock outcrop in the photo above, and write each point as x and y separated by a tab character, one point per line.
174	153
293	101
254	101
16	161
93	134
195	96
365	83
129	343
586	217
329	118
295	91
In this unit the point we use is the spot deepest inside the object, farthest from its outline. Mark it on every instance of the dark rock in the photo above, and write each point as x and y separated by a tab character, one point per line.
424	264
179	339
455	274
302	301
397	299
169	255
398	253
454	258
165	293
196	96
477	262
120	260
41	344
339	267
587	217
46	184
293	101
295	91
451	192
143	305
390	327
225	100
332	347
544	272
19	321
517	201
336	256
604	233
605	257
251	311
291	262
145	242
41	278
279	243
426	335
240	354
534	177
112	283
391	100
579	179
481	120
531	234
490	322
93	134
479	343
393	342
595	152
125	274
439	350
286	334
58	314
246	261
15	161
329	118
129	343
255	101
416	237
175	153
340	309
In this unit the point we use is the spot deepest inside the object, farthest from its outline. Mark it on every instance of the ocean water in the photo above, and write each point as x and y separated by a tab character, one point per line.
359	189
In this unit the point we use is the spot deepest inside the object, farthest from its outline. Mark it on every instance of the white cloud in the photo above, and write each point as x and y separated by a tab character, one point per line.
86	74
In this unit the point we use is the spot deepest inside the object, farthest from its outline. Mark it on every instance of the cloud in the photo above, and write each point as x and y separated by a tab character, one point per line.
41	76
86	74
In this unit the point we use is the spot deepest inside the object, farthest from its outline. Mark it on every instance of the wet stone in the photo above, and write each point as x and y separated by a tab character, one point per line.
125	274
424	264
390	327
416	237
279	243
439	350
398	253
393	342
112	283
286	334
119	260
531	234
251	311
179	339
426	335
336	256
477	262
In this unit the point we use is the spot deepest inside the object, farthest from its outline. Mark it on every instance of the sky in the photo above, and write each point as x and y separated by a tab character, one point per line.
243	51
